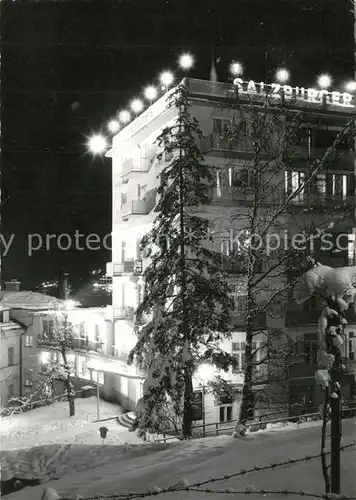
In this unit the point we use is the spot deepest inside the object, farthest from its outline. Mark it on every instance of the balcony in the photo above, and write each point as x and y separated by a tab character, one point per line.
120	354
88	345
215	142
139	165
140	207
322	200
300	317
339	159
238	320
231	195
127	313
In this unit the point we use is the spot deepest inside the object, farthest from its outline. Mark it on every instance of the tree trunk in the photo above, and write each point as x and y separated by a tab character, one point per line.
67	381
246	408
187	427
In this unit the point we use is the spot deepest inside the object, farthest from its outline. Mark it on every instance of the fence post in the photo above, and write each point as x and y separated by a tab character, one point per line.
217	428
204	430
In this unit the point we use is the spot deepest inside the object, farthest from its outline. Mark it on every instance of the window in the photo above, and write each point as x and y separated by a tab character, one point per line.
28	382
10	356
28	341
242	177
140	291
10	391
240	304
124	386
97	377
4	316
294	181
238	351
141	191
123	251
318	185
225	414
82	368
339	185
123	199
47	327
221	125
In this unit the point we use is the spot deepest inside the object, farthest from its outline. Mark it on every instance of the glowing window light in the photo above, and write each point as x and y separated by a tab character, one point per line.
282	75
113	126
324	81
150	93
166	78
236	68
136	105
186	61
124	116
97	144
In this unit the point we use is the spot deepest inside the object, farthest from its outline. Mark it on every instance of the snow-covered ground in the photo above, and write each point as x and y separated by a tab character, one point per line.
52	425
94	469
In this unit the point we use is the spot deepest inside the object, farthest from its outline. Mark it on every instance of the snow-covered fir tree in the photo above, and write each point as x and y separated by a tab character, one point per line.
186	289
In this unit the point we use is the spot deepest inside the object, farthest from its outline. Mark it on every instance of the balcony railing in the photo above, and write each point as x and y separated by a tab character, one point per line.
342	159
135	165
126	312
215	142
88	345
120	354
295	317
230	194
140	207
322	200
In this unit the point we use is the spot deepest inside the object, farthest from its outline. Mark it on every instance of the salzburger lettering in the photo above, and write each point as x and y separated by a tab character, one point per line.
300	93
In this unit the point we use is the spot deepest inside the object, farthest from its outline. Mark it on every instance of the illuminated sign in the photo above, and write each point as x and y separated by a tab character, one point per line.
298	93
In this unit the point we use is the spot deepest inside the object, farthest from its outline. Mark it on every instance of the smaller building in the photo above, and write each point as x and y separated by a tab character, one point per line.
10	357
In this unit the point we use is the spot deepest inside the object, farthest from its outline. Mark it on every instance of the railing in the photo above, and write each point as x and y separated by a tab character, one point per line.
140	207
121	355
215	142
295	317
323	200
240	194
223	428
135	165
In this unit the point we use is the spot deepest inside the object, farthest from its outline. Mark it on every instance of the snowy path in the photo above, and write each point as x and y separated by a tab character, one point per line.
110	469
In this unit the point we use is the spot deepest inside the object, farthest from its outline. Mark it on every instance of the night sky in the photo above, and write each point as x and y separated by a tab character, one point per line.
69	66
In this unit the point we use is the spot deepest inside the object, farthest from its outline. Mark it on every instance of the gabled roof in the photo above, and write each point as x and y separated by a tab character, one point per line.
27	300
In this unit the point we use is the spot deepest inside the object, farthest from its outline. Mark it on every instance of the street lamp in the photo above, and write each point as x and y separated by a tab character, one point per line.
236	68
186	61
137	106
324	81
113	126
95	366
97	144
150	93
124	116
282	75
166	78
204	373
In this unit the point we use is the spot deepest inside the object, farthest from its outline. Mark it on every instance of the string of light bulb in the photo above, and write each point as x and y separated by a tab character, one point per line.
98	143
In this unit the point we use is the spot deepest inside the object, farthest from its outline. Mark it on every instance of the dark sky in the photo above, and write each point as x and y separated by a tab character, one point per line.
68	66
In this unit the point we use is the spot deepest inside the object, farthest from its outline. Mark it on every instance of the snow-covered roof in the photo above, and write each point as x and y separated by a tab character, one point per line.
10	325
27	300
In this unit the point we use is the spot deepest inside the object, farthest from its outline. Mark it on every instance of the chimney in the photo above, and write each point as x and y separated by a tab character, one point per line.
12	286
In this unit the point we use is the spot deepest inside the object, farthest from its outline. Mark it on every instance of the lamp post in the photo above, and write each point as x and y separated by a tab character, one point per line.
95	366
204	373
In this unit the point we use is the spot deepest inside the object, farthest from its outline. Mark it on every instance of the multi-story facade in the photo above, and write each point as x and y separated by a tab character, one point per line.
26	335
10	357
135	168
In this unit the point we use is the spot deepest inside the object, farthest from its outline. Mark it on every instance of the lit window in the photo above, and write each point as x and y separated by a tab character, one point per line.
28	340
294	181
28	382
82	369
124	383
47	325
339	185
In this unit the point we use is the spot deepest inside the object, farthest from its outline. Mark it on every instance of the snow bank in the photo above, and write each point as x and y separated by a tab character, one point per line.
52	424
